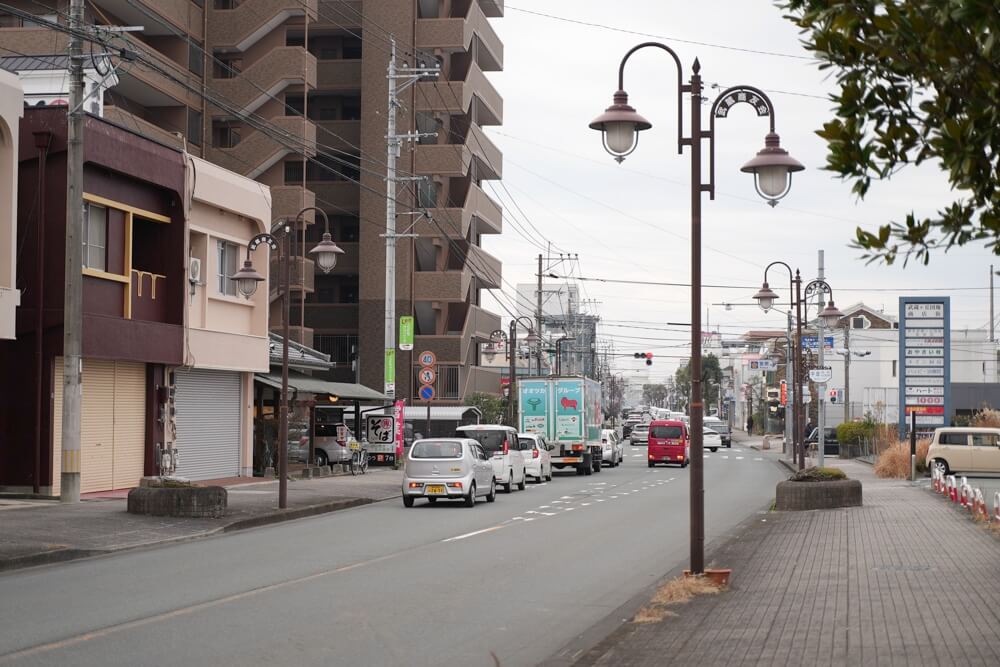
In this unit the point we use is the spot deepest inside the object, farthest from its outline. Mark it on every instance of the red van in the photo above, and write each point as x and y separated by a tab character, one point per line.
669	442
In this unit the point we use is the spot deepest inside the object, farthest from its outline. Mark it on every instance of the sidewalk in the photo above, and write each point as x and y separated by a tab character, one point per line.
39	532
902	580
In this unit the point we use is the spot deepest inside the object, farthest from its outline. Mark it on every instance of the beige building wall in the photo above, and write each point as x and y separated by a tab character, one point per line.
11	110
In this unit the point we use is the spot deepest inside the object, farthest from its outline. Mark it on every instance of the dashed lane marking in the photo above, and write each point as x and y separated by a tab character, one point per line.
474	533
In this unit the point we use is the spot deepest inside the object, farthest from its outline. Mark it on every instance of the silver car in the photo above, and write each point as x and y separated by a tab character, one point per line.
639	434
448	468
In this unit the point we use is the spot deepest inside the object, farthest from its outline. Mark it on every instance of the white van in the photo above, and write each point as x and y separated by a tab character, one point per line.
504	450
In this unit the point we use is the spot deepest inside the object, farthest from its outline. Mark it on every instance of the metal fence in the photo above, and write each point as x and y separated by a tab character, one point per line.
340	347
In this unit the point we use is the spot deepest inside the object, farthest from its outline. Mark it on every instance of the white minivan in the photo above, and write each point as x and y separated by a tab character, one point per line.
970	450
504	449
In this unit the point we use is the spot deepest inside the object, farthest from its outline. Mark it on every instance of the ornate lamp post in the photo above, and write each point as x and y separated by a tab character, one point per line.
766	298
532	340
772	167
325	254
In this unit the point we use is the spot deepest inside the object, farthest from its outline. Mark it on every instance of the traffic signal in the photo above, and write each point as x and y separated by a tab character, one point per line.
833	395
648	356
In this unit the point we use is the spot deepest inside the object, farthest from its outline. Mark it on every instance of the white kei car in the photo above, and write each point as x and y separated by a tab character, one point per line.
537	460
611	447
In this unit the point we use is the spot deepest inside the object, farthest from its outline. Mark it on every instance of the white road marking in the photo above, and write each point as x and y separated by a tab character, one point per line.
472	534
531	512
585	504
739	458
544	507
517	518
529	519
600	500
557	502
548	513
757	458
725	457
568	497
570	509
613	497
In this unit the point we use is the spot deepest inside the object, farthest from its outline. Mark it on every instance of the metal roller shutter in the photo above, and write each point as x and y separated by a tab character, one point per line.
208	423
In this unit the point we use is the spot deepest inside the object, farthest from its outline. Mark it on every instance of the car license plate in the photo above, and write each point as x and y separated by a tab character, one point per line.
434	488
571	460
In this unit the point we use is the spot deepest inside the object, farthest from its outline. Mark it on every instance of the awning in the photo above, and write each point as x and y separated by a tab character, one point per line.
442	413
310	385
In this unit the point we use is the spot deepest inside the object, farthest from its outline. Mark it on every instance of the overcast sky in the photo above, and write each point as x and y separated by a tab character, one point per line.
632	221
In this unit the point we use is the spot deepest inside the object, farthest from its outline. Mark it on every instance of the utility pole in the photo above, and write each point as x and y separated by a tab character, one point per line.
992	321
789	387
69	482
399	80
538	314
847	373
821	389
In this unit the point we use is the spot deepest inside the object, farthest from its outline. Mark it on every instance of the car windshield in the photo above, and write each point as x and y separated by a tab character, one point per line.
436	449
491	440
665	432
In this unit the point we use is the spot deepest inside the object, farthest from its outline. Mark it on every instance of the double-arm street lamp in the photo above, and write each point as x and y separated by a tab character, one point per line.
766	298
532	340
325	254
772	167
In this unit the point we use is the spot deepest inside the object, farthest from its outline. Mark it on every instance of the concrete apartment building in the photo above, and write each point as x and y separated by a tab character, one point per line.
287	78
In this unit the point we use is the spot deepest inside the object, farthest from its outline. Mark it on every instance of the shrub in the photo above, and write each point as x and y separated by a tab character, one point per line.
852	433
894	462
816	474
987	418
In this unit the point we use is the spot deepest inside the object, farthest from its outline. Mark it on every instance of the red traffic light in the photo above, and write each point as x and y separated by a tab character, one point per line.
649	358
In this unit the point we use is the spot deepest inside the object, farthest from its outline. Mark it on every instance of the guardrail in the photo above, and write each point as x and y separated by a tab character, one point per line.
970	499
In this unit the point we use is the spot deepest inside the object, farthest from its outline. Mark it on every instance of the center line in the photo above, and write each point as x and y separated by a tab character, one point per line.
477	532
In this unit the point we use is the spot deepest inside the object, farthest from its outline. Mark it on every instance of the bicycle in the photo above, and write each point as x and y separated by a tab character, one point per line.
359	458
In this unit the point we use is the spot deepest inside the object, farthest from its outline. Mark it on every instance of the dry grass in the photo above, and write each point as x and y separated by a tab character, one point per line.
674	592
894	462
987	418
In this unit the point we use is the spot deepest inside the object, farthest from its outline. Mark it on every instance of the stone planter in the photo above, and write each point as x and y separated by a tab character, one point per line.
797	496
186	501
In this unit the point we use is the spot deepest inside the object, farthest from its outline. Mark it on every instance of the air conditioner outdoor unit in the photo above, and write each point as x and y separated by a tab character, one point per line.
194	271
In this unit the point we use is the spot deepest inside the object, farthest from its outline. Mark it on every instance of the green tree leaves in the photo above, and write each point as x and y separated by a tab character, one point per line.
919	80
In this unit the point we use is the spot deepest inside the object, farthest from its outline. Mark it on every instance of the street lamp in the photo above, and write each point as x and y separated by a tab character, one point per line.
766	298
532	340
247	278
619	126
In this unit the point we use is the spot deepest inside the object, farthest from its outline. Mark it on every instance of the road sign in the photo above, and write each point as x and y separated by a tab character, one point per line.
427	358
821	375
380	430
763	365
406	332
426	392
427	375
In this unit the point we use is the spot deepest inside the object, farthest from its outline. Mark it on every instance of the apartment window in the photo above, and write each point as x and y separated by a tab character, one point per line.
349	292
43	21
351	48
295	103
9	20
95	237
227	263
351	109
196	58
293	173
225	135
426	193
194	127
226	65
227	4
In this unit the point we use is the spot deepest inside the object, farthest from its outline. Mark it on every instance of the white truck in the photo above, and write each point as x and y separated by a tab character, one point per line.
567	412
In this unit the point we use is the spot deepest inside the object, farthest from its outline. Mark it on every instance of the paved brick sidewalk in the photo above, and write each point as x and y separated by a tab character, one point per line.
903	580
39	532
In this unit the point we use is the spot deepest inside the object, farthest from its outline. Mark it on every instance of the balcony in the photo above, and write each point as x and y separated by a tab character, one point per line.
457	97
450	286
339	15
479	324
344	135
456	35
457	222
283	67
456	160
257	152
486	267
243	26
130	121
339	74
184	16
340	195
478	379
302	275
445	348
492	8
288	200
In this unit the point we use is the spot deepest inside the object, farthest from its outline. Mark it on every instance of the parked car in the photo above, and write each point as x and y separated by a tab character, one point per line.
720	427
332	445
710	440
537	460
669	443
456	468
830	444
503	447
969	450
639	434
611	453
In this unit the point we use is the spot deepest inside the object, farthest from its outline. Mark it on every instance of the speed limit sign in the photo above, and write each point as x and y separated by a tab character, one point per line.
427	375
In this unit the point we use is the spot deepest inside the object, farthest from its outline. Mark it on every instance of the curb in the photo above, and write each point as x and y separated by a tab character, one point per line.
69	554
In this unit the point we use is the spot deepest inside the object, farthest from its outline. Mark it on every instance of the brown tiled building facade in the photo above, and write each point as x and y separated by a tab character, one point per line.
314	71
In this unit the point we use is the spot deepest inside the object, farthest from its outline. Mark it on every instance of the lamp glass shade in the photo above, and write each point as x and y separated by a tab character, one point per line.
247	279
532	338
765	297
619	136
246	286
773	180
831	315
325	253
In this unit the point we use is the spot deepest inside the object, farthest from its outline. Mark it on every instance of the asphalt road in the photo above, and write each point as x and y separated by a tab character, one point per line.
385	585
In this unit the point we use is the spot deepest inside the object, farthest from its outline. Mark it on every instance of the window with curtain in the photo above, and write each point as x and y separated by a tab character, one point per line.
95	237
227	264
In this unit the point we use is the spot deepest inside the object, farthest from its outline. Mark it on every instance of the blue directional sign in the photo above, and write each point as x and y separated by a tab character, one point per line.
426	392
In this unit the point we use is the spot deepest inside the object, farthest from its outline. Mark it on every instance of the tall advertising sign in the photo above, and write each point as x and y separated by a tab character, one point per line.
924	362
534	399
